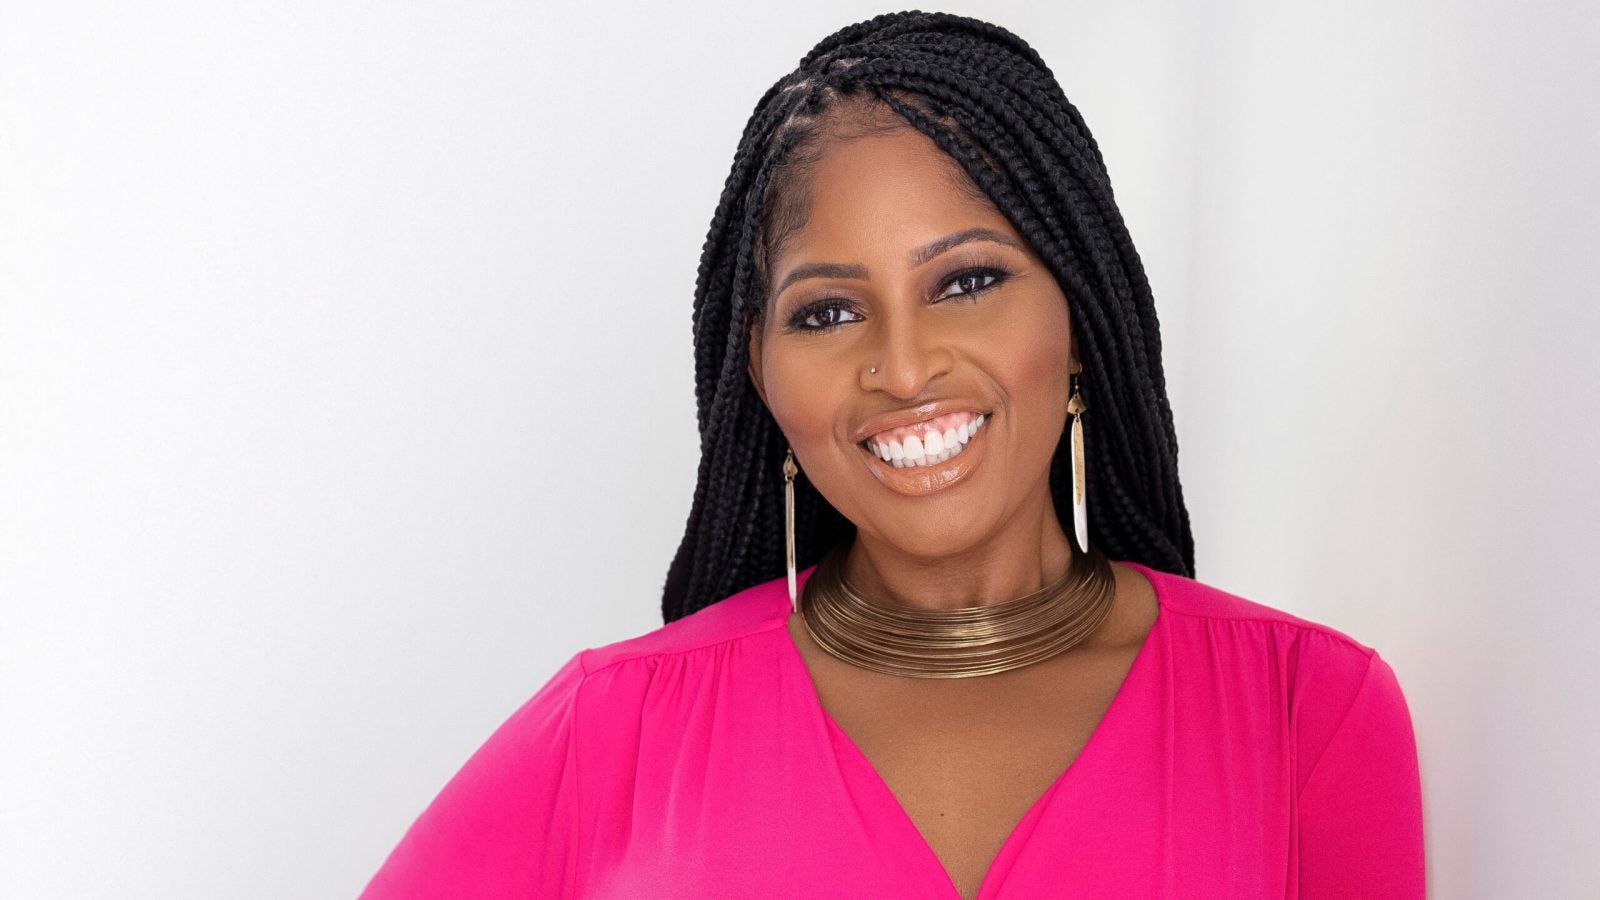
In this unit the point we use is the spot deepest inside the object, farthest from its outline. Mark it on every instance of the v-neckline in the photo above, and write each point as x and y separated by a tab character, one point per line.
839	737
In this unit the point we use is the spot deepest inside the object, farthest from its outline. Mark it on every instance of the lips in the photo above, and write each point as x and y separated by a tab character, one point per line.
926	443
916	416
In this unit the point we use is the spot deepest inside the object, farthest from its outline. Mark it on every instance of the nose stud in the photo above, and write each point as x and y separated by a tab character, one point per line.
873	370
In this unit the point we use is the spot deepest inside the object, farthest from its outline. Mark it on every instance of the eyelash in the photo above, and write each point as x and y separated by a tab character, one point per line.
797	320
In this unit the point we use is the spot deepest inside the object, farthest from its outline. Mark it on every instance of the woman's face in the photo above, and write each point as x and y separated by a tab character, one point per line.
899	269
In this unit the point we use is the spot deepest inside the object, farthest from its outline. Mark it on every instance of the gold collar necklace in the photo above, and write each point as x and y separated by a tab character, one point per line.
956	643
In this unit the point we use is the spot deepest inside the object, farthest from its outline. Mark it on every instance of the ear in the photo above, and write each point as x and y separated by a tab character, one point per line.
754	364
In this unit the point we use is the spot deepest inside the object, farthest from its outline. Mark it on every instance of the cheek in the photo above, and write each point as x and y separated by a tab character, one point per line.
802	393
1042	362
1036	370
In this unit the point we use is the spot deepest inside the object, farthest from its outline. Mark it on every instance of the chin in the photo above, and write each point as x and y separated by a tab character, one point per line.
934	543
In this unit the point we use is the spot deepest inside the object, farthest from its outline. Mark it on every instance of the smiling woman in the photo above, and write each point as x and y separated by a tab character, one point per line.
922	333
918	311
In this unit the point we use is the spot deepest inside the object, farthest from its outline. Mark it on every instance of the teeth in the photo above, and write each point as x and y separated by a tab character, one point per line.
934	448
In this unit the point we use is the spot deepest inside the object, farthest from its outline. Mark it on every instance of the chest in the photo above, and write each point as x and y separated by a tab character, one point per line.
967	759
877	793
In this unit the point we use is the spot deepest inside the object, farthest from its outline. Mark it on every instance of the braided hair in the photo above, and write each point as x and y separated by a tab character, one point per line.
989	101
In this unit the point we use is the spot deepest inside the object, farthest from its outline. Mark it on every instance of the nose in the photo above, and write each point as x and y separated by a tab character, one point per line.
906	351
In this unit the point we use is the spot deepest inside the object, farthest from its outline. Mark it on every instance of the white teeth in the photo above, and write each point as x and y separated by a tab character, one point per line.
932	448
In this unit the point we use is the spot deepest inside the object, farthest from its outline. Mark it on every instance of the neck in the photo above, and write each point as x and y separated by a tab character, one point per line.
1028	552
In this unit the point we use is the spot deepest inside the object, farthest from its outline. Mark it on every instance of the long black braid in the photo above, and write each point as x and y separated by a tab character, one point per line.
989	101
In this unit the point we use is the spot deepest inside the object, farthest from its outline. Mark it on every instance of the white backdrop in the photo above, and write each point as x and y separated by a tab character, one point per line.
345	387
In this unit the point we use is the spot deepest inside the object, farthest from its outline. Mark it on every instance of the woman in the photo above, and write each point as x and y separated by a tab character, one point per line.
924	343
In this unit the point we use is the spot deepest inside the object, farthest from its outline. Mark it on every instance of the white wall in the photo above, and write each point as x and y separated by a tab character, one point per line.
1390	417
345	387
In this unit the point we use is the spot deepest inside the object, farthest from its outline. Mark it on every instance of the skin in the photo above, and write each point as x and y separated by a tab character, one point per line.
965	758
986	531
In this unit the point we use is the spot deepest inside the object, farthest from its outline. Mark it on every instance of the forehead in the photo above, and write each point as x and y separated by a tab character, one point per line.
901	156
886	188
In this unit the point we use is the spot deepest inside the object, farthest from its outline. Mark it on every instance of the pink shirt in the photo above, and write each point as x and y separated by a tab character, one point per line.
1248	753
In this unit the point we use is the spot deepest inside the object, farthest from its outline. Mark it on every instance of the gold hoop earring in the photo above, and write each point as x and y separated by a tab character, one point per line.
789	471
1080	512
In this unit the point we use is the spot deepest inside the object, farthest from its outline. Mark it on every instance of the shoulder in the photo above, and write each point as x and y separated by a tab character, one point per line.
600	687
756	609
1192	604
1325	677
1218	637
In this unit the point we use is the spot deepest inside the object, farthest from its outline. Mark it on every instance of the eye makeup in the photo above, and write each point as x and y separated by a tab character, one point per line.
826	313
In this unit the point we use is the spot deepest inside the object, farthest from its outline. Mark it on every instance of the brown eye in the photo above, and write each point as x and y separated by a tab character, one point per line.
972	281
822	317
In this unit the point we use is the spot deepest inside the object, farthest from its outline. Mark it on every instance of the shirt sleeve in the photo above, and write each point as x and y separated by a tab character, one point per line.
1360	810
503	827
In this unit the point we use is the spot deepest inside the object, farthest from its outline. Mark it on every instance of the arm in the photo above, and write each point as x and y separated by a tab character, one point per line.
502	827
1361	806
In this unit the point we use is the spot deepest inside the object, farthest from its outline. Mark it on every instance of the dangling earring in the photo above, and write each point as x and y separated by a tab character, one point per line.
1080	513
789	471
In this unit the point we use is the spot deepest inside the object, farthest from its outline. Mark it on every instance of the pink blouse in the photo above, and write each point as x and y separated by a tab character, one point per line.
1248	753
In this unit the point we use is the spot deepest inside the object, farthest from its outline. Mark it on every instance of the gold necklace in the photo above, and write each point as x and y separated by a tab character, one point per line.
956	643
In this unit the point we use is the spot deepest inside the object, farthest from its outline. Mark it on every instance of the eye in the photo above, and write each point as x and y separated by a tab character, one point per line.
971	282
823	316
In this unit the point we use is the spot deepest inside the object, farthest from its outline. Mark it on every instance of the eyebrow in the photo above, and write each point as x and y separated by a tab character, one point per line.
916	258
934	248
821	270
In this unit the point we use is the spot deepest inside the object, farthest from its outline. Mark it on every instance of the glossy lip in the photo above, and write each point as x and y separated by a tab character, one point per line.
925	412
923	480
